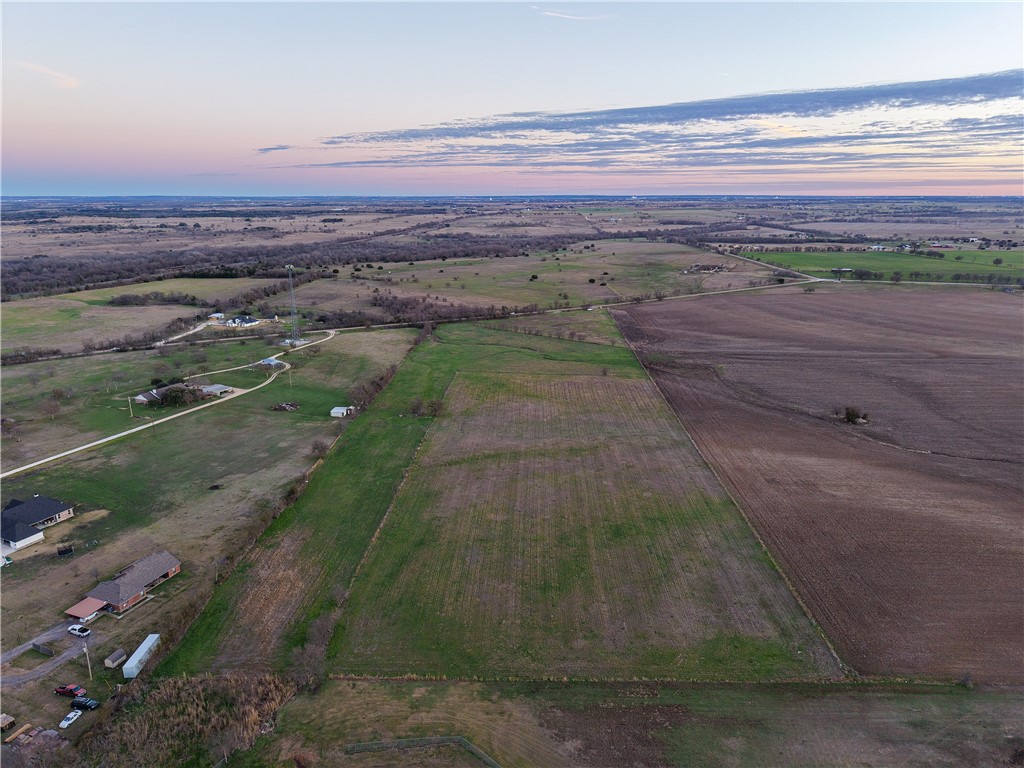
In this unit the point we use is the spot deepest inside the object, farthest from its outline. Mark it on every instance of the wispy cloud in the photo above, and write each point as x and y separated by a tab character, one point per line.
569	16
956	125
275	148
59	78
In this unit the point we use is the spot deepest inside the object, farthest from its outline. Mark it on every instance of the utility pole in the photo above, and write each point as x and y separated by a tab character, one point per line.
89	663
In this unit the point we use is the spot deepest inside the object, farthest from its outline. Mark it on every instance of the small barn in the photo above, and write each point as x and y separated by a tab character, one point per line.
116	658
342	411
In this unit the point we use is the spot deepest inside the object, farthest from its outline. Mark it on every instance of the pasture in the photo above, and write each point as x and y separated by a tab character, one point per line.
539	534
605	271
913	267
545	725
316	544
902	535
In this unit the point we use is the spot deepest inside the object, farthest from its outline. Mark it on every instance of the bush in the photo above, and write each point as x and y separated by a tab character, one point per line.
853	414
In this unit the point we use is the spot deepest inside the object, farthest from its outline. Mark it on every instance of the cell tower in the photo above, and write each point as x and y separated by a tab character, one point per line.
295	312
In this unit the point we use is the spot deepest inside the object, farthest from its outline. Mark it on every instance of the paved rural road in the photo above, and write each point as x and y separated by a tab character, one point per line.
56	632
150	425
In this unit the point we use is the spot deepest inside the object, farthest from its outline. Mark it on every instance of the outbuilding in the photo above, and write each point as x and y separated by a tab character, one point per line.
341	411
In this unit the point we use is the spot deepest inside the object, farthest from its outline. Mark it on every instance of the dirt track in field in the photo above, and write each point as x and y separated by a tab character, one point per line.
903	536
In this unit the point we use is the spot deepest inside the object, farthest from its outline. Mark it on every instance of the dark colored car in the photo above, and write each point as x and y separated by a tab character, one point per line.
83	702
70	690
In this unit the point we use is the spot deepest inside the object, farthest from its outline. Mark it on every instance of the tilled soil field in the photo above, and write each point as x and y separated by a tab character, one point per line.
903	535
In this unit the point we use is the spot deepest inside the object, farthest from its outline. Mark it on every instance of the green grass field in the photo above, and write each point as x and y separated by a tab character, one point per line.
211	288
620	579
972	262
346	499
538	535
70	320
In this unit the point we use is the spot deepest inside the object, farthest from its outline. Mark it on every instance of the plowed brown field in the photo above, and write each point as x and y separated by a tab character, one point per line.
904	536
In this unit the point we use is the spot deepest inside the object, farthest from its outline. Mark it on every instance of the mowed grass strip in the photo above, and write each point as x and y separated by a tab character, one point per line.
564	526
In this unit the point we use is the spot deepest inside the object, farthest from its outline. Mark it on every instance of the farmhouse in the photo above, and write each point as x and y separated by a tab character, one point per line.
156	396
242	321
133	583
21	521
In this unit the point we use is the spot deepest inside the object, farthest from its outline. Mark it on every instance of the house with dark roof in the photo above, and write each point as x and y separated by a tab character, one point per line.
156	396
132	584
21	522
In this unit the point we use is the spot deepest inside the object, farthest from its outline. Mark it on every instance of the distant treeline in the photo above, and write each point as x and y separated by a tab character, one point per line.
25	277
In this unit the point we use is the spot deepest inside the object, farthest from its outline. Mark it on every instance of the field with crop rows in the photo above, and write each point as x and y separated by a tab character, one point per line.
902	534
564	526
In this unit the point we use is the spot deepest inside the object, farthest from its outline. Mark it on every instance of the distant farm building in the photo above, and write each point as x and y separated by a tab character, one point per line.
216	316
21	522
132	584
270	361
341	411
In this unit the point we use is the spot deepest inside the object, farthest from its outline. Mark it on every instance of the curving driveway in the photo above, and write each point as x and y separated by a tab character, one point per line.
238	393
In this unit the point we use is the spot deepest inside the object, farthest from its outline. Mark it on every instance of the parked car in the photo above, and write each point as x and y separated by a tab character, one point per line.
70	690
84	702
73	715
79	631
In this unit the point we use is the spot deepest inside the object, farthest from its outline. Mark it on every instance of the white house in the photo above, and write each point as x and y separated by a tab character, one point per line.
342	410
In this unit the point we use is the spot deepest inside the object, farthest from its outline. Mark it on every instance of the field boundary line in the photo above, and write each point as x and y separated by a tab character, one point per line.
845	668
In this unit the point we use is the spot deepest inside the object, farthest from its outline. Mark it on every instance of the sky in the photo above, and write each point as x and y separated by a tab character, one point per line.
487	98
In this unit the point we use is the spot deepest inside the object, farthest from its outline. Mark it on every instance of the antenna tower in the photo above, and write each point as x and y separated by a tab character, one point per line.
295	312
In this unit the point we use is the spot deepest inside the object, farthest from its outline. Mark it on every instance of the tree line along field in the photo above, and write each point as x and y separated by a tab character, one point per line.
902	534
972	266
562	548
